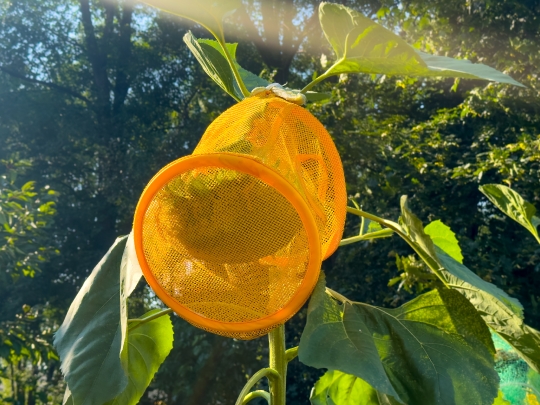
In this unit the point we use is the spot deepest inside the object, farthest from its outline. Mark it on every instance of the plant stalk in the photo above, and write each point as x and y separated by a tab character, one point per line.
278	362
384	233
245	396
256	394
236	73
430	262
291	354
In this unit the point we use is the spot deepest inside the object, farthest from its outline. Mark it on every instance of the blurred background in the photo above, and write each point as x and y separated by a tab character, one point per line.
96	96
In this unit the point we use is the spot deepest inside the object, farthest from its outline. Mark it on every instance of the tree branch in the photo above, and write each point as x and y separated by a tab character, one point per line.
122	82
54	86
95	56
109	20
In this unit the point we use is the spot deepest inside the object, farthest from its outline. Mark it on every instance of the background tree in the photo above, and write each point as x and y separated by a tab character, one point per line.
26	217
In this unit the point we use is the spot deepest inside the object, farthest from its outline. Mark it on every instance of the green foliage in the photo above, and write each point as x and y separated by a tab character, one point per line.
148	345
502	315
380	346
501	312
214	63
363	46
524	339
442	66
360	45
98	145
518	381
25	217
337	388
513	205
93	141
93	335
443	237
415	276
481	293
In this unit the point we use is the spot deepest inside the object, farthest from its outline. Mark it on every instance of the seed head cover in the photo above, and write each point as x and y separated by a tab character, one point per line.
232	237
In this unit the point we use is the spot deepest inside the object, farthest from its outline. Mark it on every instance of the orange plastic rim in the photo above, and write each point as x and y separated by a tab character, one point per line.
247	165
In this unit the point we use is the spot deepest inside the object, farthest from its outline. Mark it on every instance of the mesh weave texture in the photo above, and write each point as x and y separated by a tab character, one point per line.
290	140
232	236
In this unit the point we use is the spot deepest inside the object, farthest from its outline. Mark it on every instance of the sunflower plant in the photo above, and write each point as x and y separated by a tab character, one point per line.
441	348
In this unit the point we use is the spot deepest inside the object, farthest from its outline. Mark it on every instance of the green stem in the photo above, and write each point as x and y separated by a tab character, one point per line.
325	75
431	263
278	362
236	73
269	373
319	79
314	82
291	354
362	224
256	394
141	321
384	233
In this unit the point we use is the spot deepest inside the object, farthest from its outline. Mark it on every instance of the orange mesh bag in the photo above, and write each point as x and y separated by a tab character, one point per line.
232	237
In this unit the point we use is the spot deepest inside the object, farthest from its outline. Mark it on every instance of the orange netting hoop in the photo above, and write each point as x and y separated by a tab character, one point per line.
243	164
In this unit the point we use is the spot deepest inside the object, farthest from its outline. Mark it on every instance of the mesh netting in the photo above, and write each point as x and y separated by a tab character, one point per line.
232	237
520	384
290	140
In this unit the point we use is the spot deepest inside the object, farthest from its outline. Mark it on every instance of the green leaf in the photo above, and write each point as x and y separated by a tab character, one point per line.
250	80
208	13
482	294
337	388
214	64
513	205
212	58
90	340
517	380
372	226
442	66
502	313
319	393
434	349
148	346
363	46
29	186
524	339
443	237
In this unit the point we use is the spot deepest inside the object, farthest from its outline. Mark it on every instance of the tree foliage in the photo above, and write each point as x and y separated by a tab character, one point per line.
100	95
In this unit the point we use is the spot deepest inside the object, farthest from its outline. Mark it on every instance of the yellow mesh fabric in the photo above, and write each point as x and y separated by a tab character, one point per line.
290	140
235	246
